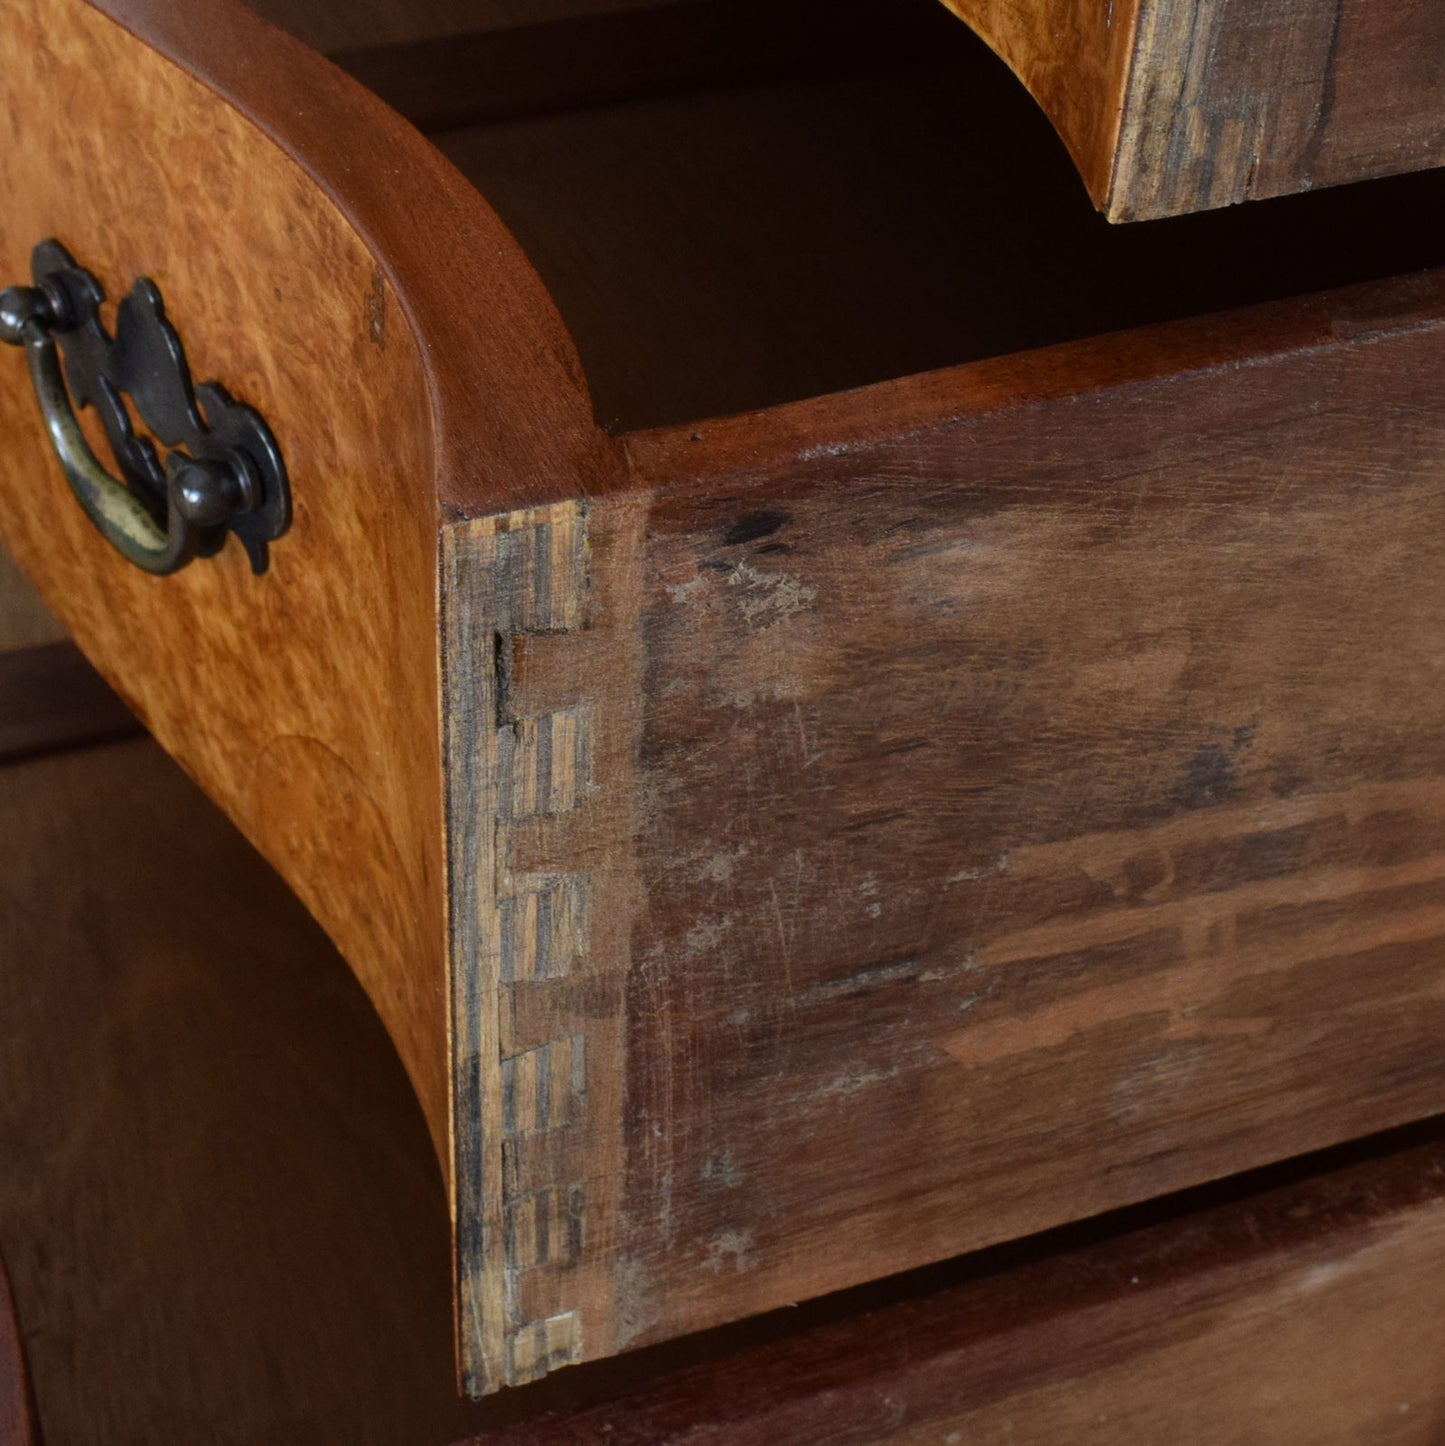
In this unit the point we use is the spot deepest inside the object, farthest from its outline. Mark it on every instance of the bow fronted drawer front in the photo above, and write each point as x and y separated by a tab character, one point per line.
940	734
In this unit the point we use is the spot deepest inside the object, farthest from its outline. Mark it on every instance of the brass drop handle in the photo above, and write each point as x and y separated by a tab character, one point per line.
224	473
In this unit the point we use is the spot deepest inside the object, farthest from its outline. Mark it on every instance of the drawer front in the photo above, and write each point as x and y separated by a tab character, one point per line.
266	688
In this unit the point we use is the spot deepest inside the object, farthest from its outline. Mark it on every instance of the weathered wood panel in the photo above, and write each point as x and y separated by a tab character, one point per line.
1302	1316
543	674
1171	106
1040	816
1230	102
889	825
1033	809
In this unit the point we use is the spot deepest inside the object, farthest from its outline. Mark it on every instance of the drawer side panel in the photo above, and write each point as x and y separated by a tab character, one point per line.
1037	814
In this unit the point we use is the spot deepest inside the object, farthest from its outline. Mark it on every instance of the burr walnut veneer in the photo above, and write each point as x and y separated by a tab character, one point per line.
994	776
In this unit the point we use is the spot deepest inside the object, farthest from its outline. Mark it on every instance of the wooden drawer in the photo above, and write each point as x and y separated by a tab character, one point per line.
1290	1314
222	1221
790	848
1170	106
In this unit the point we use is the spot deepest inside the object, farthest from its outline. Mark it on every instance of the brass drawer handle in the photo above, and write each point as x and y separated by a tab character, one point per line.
230	477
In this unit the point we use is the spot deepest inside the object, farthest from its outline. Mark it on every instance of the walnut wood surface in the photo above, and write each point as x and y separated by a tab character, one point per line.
51	698
1301	1316
849	834
221	1210
17	1416
1171	106
1016	796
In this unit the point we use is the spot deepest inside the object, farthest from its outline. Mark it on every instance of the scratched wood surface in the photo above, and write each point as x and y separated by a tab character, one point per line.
848	834
1171	106
1035	807
1228	103
1022	801
1302	1315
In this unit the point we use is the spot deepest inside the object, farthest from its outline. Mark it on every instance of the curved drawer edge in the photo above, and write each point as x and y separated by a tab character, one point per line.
512	417
1175	106
303	700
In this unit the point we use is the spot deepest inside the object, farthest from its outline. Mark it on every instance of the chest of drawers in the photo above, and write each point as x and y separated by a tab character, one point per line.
841	709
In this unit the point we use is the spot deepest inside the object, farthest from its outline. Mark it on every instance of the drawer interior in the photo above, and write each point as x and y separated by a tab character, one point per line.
738	204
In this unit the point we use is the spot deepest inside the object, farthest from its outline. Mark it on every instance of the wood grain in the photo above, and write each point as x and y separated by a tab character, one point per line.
225	669
843	836
1026	816
222	1213
543	676
1075	59
271	692
17	1415
1229	103
1172	106
1298	1316
511	420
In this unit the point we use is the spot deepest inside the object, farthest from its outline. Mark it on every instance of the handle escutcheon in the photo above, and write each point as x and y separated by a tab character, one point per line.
224	472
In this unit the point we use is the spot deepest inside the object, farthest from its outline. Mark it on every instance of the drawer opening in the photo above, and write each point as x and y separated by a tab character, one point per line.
736	205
